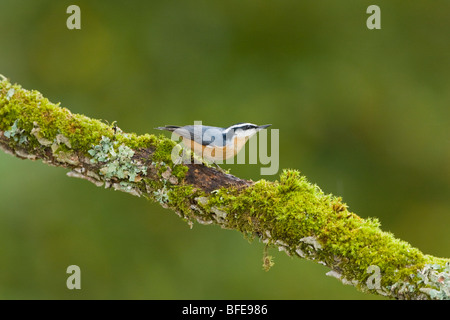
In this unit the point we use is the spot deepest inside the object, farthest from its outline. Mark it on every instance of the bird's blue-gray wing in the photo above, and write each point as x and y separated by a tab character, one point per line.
205	135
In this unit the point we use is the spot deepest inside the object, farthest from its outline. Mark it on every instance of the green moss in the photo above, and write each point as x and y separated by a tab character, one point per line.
32	111
291	214
163	150
267	260
136	142
30	120
180	198
179	172
296	216
289	207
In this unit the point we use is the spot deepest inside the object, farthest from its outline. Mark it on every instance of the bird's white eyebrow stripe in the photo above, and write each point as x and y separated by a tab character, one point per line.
237	125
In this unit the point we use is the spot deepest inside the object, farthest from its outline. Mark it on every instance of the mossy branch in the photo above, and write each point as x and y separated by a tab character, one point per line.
291	214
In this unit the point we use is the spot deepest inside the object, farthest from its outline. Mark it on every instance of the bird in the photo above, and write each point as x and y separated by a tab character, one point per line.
215	144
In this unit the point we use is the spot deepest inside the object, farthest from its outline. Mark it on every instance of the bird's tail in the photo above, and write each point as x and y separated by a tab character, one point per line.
168	128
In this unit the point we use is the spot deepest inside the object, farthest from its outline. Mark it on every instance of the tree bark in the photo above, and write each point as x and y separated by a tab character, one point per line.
291	214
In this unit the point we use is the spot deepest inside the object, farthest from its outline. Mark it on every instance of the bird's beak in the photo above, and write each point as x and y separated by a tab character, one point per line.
264	126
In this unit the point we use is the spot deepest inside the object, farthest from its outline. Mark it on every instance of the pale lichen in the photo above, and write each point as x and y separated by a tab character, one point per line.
16	133
74	174
437	279
312	241
162	196
36	132
116	161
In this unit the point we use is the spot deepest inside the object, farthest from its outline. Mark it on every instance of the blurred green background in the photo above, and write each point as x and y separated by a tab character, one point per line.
363	113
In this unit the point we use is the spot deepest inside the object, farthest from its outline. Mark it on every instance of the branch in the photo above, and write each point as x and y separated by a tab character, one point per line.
291	214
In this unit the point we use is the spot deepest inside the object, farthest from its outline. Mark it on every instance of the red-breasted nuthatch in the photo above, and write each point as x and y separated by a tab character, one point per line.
215	143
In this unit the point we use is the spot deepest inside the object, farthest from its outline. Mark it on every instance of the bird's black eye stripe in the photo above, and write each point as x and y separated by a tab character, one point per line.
244	127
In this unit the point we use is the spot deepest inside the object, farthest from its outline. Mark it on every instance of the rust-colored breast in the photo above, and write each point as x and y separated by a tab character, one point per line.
213	153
